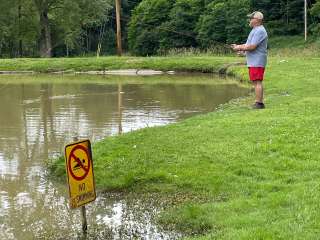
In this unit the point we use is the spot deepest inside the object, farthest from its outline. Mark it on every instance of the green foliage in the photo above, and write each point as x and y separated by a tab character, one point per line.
190	23
70	28
283	17
237	23
180	30
315	12
212	24
18	25
68	21
193	24
206	24
77	27
144	28
214	27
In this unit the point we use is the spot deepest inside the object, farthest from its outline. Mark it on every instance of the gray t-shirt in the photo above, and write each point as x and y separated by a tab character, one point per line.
258	57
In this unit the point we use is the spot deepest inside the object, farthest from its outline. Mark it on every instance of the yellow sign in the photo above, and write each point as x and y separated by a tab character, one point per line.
79	167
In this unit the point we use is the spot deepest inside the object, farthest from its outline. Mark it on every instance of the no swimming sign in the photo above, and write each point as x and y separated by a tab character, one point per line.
79	168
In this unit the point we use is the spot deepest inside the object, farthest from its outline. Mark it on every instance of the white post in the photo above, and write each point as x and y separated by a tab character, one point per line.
305	20
118	20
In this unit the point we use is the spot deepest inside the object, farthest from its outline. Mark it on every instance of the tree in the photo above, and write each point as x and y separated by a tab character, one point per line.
50	27
211	26
180	30
145	26
75	27
237	26
18	28
70	18
223	22
315	13
43	7
283	17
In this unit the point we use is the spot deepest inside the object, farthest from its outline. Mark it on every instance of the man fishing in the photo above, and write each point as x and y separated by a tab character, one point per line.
256	53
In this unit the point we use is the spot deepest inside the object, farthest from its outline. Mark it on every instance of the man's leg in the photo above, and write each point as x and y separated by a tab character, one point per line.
258	87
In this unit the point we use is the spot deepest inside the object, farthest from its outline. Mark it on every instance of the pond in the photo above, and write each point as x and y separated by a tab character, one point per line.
40	114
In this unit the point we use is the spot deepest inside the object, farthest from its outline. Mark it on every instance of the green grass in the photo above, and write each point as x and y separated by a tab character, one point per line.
248	174
198	64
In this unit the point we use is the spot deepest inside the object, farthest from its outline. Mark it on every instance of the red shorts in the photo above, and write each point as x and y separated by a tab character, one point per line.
256	73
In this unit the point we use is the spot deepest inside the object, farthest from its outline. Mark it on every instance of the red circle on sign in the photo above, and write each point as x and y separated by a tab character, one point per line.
73	156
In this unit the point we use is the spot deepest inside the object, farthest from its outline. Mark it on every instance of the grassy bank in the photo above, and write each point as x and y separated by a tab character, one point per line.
198	64
249	174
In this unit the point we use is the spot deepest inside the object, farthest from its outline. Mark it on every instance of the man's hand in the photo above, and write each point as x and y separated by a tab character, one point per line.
236	47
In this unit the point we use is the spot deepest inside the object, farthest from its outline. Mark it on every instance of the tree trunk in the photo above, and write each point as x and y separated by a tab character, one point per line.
45	34
20	35
118	20
67	49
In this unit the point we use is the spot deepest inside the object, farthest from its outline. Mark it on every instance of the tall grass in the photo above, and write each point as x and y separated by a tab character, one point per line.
216	50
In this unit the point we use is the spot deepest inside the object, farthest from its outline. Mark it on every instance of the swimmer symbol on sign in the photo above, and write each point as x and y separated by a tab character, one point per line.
78	166
79	163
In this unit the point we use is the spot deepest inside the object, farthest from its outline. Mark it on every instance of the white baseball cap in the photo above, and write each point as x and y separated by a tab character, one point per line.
256	14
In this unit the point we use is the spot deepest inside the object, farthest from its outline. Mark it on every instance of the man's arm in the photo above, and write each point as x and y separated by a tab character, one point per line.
256	39
244	47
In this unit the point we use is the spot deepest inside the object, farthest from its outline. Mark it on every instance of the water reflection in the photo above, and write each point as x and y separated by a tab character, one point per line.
38	119
120	107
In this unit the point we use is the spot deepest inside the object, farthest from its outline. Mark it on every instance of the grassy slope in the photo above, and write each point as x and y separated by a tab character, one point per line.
257	173
294	46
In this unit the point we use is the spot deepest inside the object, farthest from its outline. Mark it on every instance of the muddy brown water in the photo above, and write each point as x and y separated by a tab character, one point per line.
40	114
